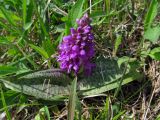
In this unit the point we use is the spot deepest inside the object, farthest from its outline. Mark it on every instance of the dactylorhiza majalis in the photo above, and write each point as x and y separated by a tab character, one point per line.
77	49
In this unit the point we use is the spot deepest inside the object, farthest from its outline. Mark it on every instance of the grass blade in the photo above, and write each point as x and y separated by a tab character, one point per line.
5	70
44	30
4	104
117	43
107	2
117	117
75	12
49	47
24	6
92	6
151	14
39	50
106	113
7	16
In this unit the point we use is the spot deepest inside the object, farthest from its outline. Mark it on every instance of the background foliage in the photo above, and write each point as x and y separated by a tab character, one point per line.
127	52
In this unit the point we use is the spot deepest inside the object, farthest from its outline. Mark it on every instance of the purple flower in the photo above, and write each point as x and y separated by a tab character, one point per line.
77	49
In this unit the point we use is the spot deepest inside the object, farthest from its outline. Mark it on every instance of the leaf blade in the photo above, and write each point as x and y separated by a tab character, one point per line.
151	14
4	104
75	12
6	70
40	50
152	34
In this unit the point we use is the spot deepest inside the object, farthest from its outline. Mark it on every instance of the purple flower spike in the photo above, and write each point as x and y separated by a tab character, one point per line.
77	49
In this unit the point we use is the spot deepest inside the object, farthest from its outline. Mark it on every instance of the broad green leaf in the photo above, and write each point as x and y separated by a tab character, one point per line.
106	71
40	50
155	53
151	14
152	34
76	12
106	77
55	85
42	84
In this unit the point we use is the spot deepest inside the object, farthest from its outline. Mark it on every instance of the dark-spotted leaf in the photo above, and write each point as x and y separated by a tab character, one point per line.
42	84
106	77
53	84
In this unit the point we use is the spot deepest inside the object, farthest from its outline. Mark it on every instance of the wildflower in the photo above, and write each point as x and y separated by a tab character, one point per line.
77	49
